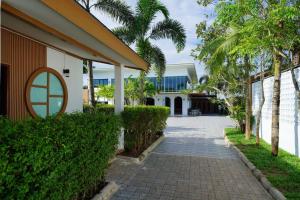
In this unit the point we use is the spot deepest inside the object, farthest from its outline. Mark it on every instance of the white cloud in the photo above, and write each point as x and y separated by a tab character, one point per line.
189	13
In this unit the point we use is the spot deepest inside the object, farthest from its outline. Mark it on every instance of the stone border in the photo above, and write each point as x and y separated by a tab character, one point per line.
275	193
145	153
107	192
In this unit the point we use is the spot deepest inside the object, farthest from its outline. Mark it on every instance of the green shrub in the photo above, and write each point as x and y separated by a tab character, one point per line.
142	124
104	108
87	108
55	158
108	109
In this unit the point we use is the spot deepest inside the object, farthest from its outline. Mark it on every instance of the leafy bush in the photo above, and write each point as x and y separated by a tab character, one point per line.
55	158
141	126
108	109
102	108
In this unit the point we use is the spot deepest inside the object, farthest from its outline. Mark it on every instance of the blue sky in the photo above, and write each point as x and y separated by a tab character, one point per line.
189	13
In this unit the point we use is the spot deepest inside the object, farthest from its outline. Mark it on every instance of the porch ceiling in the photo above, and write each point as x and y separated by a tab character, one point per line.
68	21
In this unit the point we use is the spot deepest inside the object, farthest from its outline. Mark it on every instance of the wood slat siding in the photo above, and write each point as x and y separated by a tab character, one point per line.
23	56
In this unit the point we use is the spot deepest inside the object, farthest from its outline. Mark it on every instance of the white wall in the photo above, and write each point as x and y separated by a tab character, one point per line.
58	61
289	125
108	72
160	101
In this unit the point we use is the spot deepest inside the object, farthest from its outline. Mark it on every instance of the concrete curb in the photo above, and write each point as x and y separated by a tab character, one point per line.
275	193
113	159
145	153
107	192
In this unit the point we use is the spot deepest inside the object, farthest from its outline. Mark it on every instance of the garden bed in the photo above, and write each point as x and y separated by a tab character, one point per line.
135	154
89	194
283	171
143	125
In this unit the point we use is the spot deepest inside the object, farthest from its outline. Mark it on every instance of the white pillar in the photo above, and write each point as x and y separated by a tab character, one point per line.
172	106
185	105
119	99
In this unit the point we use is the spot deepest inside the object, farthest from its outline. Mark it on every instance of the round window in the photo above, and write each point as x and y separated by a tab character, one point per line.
46	93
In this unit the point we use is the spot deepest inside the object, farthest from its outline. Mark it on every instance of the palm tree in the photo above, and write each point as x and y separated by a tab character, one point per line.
218	50
117	10
143	29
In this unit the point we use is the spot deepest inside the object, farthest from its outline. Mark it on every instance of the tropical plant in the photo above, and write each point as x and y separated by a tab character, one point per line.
131	90
105	91
227	74
143	30
119	11
267	25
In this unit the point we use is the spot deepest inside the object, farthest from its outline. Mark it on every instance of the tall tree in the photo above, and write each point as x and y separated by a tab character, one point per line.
144	29
119	11
269	25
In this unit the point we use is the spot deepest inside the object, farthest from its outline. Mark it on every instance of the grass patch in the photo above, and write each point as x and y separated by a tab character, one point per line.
282	171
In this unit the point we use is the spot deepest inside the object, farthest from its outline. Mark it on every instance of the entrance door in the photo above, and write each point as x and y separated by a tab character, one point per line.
178	106
167	102
3	89
150	102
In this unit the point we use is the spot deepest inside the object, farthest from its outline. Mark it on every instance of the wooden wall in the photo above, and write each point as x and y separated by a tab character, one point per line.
23	56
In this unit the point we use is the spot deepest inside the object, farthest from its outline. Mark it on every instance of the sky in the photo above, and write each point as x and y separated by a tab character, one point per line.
189	13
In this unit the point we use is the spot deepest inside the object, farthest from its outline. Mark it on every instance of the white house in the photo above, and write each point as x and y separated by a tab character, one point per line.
177	78
43	46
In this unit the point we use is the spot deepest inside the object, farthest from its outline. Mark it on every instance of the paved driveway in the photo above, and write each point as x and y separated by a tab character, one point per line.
192	163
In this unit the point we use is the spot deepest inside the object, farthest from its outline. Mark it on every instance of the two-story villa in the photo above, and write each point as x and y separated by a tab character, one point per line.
177	78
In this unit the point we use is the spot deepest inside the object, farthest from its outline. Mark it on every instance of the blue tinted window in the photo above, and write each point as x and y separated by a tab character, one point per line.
174	83
100	82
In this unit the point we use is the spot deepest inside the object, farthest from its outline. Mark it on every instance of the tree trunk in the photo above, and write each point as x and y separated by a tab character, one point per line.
276	103
91	83
142	88
261	104
248	99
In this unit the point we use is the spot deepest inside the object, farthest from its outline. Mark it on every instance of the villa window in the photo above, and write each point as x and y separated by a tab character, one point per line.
174	83
100	82
46	93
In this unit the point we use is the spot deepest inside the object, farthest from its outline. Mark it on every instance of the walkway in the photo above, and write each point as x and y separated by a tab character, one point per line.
192	163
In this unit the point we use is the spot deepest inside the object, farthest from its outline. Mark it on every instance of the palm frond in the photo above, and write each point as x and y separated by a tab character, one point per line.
148	9
170	29
117	9
125	34
143	48
230	41
210	47
158	60
83	3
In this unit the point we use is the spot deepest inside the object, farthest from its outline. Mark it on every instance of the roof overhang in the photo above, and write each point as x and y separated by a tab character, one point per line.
69	22
192	72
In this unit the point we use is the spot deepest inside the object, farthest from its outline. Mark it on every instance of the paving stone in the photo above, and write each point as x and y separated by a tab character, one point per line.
192	163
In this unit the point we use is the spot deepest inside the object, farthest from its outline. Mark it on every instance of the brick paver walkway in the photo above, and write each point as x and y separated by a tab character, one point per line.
192	163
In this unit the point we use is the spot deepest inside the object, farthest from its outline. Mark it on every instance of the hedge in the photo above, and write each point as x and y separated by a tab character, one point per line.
141	125
105	108
56	158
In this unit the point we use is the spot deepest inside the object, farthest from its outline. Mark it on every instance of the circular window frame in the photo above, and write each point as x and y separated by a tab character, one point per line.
29	85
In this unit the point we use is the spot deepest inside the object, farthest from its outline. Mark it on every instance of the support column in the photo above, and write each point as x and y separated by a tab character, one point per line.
185	105
119	99
172	107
